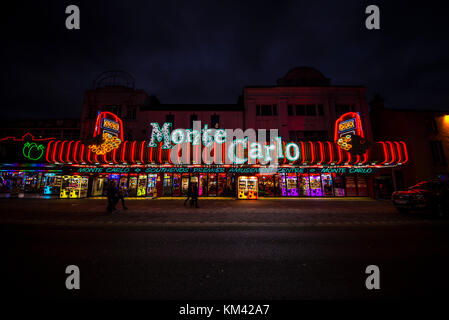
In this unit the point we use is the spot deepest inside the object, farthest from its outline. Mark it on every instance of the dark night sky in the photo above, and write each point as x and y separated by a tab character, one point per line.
205	52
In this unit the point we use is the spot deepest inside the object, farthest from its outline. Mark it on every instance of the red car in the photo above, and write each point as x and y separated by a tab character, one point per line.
430	196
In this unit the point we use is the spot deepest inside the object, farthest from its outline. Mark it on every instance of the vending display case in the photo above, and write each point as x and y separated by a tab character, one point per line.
304	189
247	187
212	186
73	187
151	188
326	180
315	185
339	185
98	186
176	184
184	183
167	184
52	184
142	185
132	189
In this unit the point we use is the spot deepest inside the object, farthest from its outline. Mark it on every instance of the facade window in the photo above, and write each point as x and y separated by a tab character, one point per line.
300	110
214	121
300	135
131	113
292	135
320	108
310	110
437	153
431	125
266	110
290	110
170	118
343	108
92	113
193	117
115	109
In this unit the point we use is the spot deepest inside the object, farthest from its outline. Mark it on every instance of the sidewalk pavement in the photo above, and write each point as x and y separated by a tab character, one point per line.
212	213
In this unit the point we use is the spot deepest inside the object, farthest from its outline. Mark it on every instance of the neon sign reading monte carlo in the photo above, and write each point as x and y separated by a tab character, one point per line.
234	140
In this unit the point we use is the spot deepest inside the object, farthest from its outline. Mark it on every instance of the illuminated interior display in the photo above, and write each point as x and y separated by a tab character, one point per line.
52	183
315	185
33	151
176	184
132	186
142	185
304	185
151	188
74	187
326	181
247	187
289	185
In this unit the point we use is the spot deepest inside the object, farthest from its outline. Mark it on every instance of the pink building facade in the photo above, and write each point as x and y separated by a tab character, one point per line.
302	106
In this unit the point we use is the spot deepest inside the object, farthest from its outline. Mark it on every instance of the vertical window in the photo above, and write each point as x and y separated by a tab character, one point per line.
320	110
266	110
131	113
292	135
438	153
193	117
300	110
214	121
310	110
431	125
343	108
290	110
170	118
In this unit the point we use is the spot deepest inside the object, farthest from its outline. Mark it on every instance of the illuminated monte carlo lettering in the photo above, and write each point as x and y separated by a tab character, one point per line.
251	149
235	140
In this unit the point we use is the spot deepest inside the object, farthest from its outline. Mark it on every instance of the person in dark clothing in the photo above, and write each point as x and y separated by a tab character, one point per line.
112	195
121	196
195	195
189	193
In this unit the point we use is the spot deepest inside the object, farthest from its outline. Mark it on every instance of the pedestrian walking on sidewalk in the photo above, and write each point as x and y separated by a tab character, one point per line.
189	193
112	196
195	195
121	194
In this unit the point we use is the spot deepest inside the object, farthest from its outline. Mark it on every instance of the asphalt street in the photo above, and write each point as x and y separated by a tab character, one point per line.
225	264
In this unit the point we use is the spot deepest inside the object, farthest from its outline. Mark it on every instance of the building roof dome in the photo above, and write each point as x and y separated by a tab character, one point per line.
304	76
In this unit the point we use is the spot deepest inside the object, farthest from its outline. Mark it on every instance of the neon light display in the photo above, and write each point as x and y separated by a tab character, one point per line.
33	151
110	127
349	134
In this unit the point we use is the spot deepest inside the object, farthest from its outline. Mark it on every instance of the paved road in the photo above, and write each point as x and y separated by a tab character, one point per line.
227	264
217	213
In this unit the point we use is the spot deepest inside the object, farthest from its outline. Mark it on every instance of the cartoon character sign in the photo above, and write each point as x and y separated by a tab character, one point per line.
110	128
349	134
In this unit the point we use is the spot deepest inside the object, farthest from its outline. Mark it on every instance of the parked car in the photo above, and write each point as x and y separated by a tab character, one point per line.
430	196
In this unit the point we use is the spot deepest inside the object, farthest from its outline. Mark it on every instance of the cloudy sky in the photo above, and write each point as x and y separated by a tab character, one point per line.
207	51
